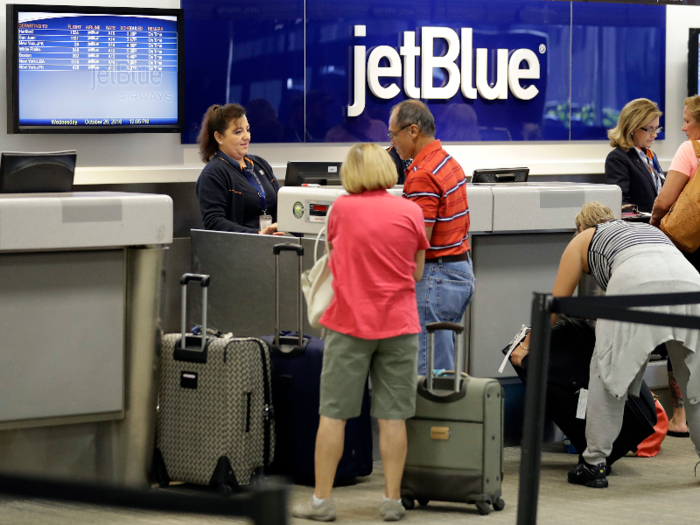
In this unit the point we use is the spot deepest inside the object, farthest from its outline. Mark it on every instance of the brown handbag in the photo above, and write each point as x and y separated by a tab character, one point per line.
682	222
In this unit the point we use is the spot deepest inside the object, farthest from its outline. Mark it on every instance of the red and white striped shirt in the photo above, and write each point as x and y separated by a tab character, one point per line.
436	182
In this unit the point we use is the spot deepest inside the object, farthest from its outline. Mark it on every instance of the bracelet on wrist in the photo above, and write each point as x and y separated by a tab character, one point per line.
525	347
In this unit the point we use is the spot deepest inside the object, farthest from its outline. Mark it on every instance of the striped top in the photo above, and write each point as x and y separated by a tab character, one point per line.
436	182
611	239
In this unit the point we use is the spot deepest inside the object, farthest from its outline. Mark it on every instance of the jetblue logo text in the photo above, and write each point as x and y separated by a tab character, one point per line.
473	81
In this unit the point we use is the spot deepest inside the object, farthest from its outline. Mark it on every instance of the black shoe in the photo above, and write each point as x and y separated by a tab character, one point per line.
589	475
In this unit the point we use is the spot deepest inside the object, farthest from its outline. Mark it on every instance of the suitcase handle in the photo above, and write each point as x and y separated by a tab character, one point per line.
187	277
444	325
288	247
431	328
299	249
204	282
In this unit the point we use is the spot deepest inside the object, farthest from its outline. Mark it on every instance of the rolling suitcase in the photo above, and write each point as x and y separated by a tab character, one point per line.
455	440
571	349
296	386
214	424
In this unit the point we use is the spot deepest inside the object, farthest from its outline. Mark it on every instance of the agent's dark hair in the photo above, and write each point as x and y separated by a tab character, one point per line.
217	118
415	112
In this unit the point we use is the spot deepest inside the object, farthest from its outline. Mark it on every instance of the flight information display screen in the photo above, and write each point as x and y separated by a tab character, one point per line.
79	71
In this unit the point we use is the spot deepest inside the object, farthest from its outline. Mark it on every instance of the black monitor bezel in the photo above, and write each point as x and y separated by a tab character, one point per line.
39	155
693	50
306	177
498	171
12	73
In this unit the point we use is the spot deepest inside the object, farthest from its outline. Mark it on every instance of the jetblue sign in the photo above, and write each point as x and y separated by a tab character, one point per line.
472	79
489	70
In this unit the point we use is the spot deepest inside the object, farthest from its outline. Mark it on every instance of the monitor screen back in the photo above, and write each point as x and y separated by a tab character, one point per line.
37	172
324	173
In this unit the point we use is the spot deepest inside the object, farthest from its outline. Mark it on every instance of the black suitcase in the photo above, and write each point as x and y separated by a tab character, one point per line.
296	384
571	350
214	424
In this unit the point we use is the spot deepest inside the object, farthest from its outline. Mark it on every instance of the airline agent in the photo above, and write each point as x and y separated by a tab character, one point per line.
237	192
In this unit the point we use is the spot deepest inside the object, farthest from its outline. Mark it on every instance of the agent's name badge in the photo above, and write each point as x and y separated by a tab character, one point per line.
265	221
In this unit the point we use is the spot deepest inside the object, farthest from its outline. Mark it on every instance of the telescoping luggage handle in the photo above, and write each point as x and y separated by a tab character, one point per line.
284	247
432	328
204	283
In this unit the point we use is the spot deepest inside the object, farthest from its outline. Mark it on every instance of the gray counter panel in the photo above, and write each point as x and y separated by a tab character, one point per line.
241	294
508	269
62	320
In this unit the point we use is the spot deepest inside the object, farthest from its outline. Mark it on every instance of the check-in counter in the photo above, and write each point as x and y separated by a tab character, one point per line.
518	233
80	285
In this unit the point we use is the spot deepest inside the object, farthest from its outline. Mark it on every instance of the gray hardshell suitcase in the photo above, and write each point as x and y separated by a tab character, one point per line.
455	440
215	424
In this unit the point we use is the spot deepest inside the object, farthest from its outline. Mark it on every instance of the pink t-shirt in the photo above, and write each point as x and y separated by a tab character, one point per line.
685	161
374	237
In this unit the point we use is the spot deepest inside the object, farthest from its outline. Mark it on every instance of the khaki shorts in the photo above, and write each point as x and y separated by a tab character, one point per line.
392	368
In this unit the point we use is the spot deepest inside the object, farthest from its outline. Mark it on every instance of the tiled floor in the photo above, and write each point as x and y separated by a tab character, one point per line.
656	490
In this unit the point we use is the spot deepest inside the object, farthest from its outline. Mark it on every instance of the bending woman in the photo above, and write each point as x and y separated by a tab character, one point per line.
378	248
627	259
237	192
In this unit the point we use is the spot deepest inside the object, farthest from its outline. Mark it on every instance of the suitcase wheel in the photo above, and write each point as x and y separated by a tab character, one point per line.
499	504
423	502
224	489
408	502
483	507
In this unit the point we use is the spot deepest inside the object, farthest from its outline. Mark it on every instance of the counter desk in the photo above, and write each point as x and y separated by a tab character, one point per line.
517	235
80	286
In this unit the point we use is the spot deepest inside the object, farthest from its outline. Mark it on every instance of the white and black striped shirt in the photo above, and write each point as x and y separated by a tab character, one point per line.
612	238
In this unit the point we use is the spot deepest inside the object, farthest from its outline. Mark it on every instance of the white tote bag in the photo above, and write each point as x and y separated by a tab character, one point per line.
317	284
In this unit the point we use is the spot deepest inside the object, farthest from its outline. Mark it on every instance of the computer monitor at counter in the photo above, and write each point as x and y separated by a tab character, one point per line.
31	172
501	175
321	173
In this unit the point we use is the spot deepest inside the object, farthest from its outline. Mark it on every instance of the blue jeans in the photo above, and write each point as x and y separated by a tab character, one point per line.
442	295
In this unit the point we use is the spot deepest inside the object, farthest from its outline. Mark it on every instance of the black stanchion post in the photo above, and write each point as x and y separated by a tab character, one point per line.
533	424
268	505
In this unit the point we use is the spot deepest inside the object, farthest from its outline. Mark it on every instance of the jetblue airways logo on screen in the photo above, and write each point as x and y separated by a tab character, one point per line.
472	79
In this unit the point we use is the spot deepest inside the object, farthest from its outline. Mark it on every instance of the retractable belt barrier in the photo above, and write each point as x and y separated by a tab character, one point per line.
265	503
623	308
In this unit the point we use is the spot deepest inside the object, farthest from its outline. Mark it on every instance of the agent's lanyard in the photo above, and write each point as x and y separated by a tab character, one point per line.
252	177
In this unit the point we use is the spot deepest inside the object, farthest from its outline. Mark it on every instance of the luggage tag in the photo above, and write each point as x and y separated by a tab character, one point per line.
520	336
582	403
265	221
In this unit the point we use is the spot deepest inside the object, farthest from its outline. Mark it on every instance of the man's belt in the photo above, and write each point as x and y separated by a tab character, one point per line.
450	258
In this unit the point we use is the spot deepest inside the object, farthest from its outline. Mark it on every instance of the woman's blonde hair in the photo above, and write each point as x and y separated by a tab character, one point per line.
693	105
368	167
591	214
633	116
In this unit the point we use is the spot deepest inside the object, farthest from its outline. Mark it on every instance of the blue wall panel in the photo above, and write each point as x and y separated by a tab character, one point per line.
593	58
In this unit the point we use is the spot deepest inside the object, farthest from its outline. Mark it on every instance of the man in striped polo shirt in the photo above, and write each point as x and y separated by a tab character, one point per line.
436	182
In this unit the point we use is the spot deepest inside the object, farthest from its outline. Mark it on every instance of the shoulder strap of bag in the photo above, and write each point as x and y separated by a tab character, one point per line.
696	147
321	233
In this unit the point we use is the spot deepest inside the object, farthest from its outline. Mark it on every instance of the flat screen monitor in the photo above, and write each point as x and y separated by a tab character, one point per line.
83	69
37	172
693	70
323	173
501	175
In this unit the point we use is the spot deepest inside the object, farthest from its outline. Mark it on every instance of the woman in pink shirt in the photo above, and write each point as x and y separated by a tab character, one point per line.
683	167
378	248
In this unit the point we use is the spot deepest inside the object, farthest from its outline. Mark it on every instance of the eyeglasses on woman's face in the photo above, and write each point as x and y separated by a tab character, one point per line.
653	131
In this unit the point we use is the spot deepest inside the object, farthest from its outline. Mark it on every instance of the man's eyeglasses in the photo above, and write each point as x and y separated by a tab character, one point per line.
656	130
392	134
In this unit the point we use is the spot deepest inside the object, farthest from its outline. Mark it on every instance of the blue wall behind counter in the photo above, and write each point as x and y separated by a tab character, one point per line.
290	63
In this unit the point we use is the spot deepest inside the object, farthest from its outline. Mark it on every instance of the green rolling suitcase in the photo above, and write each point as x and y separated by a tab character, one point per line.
455	440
